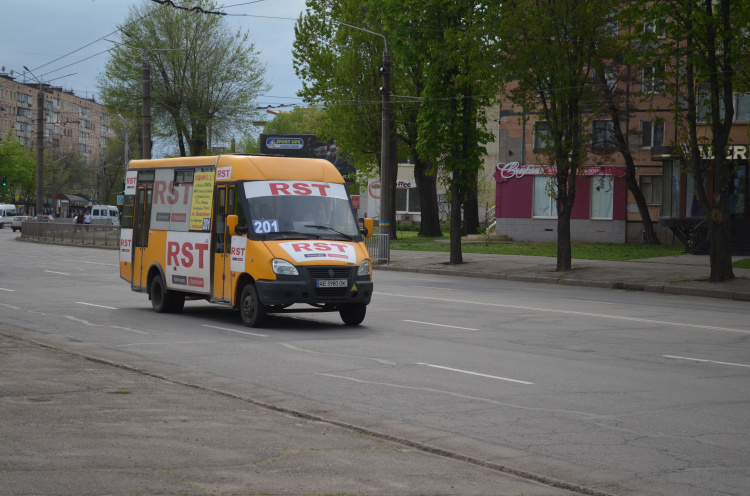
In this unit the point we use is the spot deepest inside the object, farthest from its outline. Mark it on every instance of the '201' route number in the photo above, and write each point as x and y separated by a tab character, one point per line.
266	226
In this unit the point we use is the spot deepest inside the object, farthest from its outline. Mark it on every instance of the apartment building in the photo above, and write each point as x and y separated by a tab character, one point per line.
71	123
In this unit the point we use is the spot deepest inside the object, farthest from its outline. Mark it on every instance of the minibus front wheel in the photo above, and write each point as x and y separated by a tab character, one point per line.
252	311
353	313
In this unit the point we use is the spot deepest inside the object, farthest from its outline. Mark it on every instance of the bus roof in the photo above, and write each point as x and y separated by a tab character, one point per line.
253	167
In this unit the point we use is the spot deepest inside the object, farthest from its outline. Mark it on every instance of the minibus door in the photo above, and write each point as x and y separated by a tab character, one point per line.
141	224
222	243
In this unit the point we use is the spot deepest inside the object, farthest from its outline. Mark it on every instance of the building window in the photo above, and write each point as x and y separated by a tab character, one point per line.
652	132
653	79
602	197
603	135
407	200
541	135
544	205
651	187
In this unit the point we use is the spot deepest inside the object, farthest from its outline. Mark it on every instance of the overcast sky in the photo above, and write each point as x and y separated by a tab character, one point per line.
41	34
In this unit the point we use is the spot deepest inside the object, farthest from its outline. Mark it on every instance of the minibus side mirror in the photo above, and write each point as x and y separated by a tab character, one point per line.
234	229
367	227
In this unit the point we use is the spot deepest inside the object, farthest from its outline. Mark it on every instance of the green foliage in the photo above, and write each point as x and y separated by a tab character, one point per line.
204	76
18	166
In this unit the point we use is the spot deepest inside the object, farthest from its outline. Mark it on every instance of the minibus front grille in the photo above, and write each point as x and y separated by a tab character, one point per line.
330	273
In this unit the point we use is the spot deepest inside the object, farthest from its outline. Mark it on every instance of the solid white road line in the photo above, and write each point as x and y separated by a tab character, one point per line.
235	330
60	273
475	373
11	290
441	325
707	361
93	305
568	312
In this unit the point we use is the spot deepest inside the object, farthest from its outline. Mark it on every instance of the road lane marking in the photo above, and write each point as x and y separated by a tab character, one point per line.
4	289
707	361
441	325
60	273
566	312
476	373
431	287
167	343
378	360
235	330
129	329
587	301
94	305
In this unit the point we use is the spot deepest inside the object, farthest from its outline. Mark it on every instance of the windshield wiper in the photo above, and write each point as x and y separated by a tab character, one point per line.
292	234
330	229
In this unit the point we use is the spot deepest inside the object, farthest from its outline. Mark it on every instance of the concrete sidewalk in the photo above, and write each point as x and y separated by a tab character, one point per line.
682	275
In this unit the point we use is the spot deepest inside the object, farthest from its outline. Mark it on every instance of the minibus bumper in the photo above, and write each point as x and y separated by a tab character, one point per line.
290	292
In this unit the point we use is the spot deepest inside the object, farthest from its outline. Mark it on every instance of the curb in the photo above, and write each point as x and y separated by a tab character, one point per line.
645	287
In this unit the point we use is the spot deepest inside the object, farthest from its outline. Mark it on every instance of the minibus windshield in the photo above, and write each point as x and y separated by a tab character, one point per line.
300	209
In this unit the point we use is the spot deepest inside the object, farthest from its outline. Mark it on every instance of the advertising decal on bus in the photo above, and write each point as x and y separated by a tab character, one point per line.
256	189
239	252
188	261
305	251
126	245
131	180
203	197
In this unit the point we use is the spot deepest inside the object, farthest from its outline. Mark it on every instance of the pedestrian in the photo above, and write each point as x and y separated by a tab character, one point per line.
78	221
87	220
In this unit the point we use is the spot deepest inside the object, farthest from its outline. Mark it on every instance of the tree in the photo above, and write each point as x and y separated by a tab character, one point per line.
449	43
700	48
204	76
548	50
18	167
340	66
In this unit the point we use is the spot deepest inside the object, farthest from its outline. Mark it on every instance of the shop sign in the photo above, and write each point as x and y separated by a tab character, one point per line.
514	169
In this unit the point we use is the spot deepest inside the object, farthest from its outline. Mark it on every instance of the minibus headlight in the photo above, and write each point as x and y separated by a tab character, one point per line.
364	268
284	268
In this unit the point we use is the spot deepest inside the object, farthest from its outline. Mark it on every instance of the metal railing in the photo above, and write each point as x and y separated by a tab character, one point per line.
379	246
64	232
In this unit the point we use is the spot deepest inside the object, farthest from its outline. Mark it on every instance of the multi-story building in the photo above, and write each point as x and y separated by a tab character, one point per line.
604	210
72	124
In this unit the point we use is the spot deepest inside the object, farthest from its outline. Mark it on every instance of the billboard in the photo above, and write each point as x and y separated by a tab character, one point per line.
306	146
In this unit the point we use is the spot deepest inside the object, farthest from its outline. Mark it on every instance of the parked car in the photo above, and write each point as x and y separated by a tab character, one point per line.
15	224
44	218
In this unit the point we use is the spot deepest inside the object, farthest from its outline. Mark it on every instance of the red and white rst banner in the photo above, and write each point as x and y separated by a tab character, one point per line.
257	189
187	263
316	251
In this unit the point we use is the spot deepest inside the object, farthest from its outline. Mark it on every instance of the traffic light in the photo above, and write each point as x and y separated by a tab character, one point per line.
5	182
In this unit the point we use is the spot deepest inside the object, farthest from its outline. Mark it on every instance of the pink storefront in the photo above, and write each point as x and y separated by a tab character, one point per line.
524	210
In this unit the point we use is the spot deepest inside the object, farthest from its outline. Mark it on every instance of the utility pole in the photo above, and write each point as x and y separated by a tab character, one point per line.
146	104
387	145
39	146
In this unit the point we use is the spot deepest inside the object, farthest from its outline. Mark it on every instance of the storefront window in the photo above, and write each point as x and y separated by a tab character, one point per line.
738	195
602	197
674	195
407	200
544	205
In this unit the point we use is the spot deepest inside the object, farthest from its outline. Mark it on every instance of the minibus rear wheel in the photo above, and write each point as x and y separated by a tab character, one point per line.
252	311
161	299
353	313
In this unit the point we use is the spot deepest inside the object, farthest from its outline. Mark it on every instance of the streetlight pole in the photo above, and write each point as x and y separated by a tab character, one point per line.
387	169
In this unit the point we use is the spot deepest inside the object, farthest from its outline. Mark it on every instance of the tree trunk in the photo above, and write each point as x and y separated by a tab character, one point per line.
471	207
426	179
632	183
721	225
563	240
455	222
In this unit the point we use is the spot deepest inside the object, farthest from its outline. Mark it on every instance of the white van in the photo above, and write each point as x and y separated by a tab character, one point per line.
105	214
7	212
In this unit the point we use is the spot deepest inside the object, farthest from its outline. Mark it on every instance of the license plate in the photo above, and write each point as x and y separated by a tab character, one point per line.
331	283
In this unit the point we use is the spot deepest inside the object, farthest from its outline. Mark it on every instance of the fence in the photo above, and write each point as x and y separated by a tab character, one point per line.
69	233
379	246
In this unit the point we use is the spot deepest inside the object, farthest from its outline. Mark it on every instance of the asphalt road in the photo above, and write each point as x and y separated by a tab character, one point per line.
630	393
